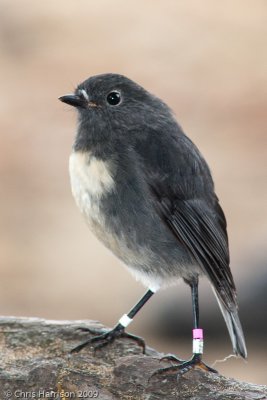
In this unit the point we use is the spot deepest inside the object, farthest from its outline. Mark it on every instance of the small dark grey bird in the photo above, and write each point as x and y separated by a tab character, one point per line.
147	193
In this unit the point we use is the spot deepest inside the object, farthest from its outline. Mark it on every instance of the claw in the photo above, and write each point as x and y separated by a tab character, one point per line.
140	341
92	331
80	347
104	339
171	357
184	367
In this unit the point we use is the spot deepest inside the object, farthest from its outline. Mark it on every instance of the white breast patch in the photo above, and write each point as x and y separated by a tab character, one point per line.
90	179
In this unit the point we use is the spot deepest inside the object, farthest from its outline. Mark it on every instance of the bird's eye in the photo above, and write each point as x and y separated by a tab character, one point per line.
114	98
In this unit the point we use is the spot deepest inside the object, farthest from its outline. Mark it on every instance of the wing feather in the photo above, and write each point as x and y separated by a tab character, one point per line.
197	226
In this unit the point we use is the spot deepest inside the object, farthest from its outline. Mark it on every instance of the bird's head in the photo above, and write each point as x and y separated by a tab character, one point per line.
113	107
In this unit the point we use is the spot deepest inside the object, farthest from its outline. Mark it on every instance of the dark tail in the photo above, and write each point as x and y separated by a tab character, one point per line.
234	328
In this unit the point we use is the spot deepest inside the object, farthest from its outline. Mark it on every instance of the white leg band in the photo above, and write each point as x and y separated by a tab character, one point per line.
125	320
154	289
197	346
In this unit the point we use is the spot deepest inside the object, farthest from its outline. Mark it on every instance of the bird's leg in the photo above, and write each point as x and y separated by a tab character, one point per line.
105	338
196	359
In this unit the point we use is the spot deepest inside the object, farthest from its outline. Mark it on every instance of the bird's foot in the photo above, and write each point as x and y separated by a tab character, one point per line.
103	339
172	358
184	366
93	331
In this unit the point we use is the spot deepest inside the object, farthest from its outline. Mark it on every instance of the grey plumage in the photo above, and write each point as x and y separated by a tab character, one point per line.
147	192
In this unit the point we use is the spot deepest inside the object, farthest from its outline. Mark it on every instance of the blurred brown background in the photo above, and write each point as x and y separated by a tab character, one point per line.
208	61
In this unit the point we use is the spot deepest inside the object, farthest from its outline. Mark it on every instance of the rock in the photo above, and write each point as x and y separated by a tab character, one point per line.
36	363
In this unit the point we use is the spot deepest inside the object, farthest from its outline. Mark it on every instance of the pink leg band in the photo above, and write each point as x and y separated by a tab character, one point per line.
198	341
198	333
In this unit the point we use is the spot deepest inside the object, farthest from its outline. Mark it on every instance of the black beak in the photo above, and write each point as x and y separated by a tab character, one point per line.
73	100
